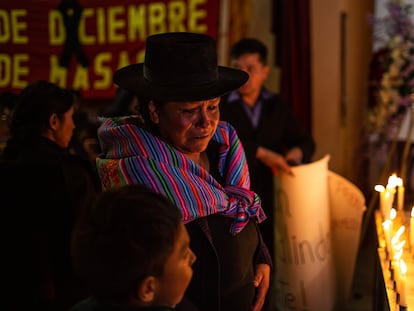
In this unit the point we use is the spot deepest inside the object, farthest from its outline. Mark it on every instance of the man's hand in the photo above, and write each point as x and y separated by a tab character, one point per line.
294	156
273	160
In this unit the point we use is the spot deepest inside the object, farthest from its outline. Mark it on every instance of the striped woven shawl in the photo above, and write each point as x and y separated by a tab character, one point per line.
133	155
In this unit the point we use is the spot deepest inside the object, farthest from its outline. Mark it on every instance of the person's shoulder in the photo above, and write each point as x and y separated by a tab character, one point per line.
155	308
186	305
77	162
76	159
75	166
91	304
87	304
225	133
267	94
273	100
225	126
231	97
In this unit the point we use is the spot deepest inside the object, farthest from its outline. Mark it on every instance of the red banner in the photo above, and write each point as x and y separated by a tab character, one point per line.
79	44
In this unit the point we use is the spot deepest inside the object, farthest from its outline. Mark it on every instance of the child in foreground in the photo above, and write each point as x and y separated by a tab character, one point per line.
133	251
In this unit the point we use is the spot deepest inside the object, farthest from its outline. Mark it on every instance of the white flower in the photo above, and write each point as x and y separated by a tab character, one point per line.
395	62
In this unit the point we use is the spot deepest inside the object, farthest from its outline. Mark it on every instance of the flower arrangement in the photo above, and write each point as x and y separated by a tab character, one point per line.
392	69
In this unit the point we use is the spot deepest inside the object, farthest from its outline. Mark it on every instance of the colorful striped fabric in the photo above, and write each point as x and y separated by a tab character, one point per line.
133	155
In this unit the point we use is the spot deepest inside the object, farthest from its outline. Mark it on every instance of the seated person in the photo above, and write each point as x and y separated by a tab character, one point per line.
133	251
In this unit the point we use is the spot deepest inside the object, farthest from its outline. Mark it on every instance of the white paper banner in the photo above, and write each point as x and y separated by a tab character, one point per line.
347	206
304	260
318	221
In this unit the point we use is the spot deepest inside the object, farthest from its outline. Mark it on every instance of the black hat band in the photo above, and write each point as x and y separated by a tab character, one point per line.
175	79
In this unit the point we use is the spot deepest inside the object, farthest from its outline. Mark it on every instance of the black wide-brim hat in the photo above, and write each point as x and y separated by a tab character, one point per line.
180	66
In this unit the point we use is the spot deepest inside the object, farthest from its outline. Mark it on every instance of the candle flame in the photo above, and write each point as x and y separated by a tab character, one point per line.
392	181
398	254
399	182
400	231
399	247
393	213
412	211
386	224
403	267
397	236
379	188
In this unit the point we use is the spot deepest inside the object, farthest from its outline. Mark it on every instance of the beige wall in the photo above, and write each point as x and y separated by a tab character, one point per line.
260	27
325	84
338	120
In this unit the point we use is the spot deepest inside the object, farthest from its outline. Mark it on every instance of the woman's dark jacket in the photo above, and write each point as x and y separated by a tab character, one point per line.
43	188
207	264
91	304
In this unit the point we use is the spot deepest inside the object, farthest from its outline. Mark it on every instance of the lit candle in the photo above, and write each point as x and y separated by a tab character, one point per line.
412	230
383	196
386	225
398	234
396	268
389	199
400	193
403	273
393	181
392	216
399	246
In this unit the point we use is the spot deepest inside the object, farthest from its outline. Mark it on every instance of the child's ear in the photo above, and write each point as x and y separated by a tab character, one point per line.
146	290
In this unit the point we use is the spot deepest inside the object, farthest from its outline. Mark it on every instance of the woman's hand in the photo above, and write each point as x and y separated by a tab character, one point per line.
261	282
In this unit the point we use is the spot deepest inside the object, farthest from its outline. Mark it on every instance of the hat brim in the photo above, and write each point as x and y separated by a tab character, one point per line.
132	79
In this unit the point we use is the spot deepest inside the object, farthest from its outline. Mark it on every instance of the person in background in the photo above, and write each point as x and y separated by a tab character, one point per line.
43	188
84	140
185	153
133	251
125	104
271	135
7	102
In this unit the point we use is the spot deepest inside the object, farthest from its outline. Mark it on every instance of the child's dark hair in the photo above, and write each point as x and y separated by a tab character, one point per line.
249	45
126	236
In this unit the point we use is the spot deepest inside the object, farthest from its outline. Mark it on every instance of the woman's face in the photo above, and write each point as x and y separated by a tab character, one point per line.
62	129
188	126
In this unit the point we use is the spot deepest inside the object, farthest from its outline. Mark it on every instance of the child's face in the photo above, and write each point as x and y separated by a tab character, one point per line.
177	271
